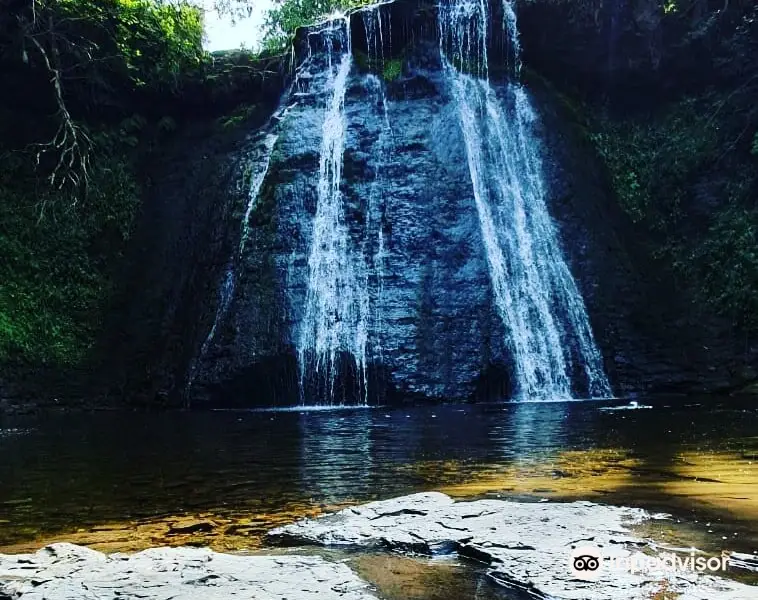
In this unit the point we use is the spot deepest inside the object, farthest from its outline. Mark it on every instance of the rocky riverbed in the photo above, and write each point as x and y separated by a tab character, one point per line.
527	546
69	572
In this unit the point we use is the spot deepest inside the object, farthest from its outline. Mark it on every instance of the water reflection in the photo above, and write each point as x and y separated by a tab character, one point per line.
337	454
67	471
532	429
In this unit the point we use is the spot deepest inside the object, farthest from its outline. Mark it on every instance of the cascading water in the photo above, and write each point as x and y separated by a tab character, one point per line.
334	329
535	294
375	22
374	244
258	169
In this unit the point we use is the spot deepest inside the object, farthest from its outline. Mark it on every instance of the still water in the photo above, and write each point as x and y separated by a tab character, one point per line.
93	474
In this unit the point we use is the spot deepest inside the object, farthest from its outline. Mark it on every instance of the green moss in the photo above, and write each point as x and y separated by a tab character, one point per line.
392	69
389	70
239	117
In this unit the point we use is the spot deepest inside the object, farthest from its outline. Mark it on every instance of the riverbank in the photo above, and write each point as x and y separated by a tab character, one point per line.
526	547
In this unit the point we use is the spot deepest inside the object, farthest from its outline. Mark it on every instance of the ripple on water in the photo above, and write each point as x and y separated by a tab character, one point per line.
74	473
8	432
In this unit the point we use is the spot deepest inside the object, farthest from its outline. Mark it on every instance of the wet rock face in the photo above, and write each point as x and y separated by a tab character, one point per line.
433	332
408	203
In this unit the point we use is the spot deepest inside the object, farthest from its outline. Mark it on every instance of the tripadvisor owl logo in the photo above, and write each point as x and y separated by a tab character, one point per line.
586	562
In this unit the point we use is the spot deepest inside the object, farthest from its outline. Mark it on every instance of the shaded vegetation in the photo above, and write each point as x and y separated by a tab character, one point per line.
651	159
388	69
56	269
238	117
99	85
684	170
691	191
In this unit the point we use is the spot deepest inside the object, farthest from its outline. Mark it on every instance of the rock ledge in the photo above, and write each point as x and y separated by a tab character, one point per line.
69	572
526	544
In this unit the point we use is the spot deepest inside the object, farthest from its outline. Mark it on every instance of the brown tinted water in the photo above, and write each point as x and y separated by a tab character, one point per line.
125	481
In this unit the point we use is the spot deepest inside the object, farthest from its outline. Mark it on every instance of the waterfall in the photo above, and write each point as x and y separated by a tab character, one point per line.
548	331
510	25
258	169
372	23
374	244
334	329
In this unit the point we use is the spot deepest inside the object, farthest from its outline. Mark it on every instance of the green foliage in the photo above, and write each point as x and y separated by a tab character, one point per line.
725	262
109	78
149	41
55	271
77	62
651	161
81	66
288	15
685	177
670	174
392	69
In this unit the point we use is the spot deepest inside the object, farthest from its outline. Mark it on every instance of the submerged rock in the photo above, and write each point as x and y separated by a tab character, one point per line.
69	572
191	526
527	545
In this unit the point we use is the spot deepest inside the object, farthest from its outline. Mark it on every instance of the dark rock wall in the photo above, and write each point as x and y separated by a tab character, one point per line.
637	53
434	331
171	272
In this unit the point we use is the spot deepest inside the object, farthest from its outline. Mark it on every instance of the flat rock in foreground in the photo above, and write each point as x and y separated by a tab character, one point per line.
69	572
527	545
